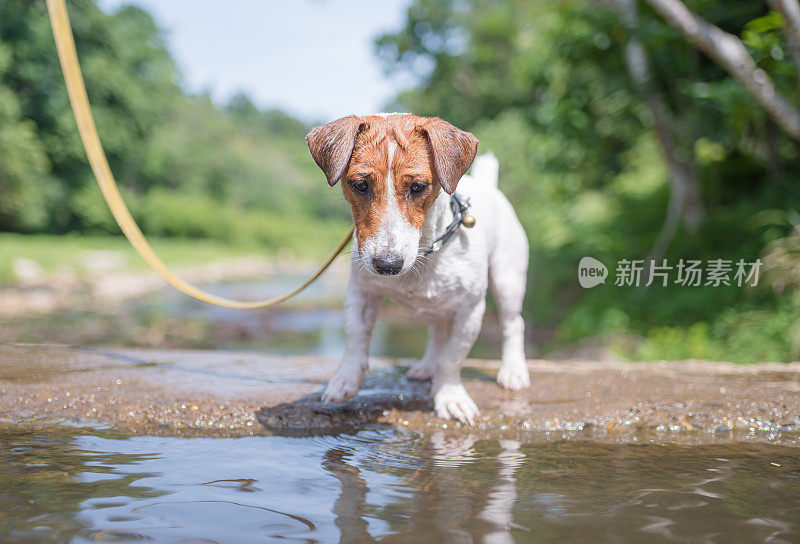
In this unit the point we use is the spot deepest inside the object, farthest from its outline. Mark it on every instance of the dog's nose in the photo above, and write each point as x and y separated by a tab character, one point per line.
387	267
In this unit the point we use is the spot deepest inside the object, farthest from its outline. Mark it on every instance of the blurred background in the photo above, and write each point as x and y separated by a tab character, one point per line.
620	134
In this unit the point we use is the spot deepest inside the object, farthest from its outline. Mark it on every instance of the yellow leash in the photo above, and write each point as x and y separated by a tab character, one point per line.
65	44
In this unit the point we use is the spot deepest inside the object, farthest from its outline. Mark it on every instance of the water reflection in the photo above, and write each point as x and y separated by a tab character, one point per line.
349	506
387	485
504	494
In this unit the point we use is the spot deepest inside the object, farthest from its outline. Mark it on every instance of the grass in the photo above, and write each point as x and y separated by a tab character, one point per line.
73	252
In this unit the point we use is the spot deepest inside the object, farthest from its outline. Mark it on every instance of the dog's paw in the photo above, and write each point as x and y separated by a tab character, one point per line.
344	385
451	401
421	370
514	377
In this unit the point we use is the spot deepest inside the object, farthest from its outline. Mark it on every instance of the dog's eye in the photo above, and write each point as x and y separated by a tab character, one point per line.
418	187
361	185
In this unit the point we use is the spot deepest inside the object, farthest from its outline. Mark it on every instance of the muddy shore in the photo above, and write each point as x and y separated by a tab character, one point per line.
216	393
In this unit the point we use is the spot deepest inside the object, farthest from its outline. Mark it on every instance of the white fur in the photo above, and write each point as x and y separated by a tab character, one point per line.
395	238
447	290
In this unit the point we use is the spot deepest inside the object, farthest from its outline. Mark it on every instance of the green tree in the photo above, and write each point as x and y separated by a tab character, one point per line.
547	86
27	192
231	172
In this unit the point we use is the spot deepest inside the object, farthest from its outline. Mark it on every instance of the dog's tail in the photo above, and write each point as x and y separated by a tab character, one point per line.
486	168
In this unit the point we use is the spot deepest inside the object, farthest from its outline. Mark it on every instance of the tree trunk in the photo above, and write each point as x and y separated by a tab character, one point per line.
790	10
732	55
685	202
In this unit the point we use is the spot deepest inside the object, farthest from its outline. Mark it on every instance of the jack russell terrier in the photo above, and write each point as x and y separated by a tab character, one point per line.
400	173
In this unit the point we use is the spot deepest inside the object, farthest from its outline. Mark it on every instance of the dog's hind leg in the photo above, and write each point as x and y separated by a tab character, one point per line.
508	268
425	368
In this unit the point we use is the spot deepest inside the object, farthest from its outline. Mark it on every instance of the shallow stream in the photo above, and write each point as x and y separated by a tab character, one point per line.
389	485
74	483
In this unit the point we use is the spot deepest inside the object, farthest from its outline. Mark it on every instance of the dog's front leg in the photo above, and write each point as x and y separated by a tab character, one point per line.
450	398
360	311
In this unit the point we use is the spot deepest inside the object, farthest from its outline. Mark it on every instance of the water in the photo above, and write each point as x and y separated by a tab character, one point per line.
87	484
389	485
311	325
315	327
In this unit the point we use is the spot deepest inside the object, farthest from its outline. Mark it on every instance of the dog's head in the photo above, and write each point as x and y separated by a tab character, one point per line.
392	168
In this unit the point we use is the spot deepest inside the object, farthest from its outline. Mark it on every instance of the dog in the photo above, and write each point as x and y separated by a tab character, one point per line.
399	173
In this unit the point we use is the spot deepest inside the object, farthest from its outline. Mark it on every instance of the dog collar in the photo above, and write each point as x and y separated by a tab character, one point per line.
461	216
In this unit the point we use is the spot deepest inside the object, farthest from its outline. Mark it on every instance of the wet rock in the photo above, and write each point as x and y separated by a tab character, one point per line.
381	392
217	393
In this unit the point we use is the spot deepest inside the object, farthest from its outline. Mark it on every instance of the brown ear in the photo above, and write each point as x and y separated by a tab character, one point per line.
331	145
453	151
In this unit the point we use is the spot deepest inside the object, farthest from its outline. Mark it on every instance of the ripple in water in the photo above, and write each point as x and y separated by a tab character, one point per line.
385	484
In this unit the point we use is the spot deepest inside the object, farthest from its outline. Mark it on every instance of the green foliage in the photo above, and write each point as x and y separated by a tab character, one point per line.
545	86
737	336
675	343
176	214
542	84
218	173
73	252
24	184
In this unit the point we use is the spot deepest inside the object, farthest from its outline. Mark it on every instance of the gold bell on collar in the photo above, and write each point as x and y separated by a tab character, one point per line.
468	221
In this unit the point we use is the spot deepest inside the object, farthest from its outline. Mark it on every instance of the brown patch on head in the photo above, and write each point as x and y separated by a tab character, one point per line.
426	152
413	164
453	151
369	167
331	145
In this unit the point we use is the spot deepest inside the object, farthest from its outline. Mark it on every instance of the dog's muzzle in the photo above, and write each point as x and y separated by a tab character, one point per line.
387	267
